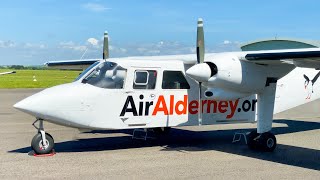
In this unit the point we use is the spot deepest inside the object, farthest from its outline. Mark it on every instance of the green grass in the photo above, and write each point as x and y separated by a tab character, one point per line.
45	78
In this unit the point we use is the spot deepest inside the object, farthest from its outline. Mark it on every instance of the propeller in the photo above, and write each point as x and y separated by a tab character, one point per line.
200	42
105	54
200	59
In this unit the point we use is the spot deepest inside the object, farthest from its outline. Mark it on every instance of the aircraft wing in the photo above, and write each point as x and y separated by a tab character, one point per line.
10	72
307	57
71	64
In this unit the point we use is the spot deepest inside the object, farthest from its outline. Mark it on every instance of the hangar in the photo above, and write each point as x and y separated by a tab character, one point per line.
279	43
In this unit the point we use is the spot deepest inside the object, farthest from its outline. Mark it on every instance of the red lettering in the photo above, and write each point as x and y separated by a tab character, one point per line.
233	108
214	108
160	106
203	102
171	104
223	105
184	106
193	107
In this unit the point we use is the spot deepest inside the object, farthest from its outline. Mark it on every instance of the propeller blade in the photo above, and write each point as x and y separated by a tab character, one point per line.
200	59
105	45
200	42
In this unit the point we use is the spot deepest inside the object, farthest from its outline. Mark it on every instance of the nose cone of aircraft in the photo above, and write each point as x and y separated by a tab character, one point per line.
68	104
199	72
32	105
39	103
48	103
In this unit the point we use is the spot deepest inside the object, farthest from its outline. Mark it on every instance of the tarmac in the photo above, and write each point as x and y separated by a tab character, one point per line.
202	152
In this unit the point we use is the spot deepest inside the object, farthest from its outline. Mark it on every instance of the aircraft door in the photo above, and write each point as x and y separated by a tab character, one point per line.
141	93
172	104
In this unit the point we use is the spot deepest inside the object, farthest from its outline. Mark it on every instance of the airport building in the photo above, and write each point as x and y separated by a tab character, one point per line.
279	43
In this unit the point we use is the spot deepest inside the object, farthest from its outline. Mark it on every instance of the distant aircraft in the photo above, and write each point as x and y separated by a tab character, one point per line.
9	72
178	90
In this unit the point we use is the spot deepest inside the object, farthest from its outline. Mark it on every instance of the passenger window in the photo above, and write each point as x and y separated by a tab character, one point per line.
174	80
141	77
145	79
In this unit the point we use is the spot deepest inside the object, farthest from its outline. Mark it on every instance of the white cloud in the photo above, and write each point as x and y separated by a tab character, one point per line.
37	53
34	46
123	50
66	44
72	45
80	48
95	7
7	44
226	42
141	49
118	50
93	41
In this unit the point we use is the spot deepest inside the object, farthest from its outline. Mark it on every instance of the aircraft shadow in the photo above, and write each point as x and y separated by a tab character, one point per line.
185	140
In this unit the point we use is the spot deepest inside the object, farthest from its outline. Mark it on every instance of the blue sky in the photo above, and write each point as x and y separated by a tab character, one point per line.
33	32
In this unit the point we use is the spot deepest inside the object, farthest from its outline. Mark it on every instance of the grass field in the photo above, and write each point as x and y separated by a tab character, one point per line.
44	78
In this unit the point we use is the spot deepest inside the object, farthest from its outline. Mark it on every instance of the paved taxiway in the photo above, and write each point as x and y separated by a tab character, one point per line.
192	152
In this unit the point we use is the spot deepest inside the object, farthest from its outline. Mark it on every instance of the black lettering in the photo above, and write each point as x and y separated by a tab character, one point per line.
246	105
140	108
141	105
254	102
148	104
125	108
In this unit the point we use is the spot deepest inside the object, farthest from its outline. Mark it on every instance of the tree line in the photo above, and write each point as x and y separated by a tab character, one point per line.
21	67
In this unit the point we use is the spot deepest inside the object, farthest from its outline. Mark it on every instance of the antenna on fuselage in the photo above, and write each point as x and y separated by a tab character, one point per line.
200	59
105	54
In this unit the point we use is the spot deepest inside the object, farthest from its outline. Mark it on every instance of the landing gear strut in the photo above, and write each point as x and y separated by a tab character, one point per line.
42	142
264	141
262	138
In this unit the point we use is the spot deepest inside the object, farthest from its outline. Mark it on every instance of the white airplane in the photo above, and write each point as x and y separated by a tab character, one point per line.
179	90
9	72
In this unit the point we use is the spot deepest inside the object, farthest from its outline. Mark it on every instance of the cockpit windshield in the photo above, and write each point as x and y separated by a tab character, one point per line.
87	70
107	75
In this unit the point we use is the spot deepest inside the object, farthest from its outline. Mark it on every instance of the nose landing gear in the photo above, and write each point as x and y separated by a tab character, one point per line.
42	142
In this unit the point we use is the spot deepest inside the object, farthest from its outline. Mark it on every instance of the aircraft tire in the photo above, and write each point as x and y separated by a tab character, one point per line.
252	143
267	142
36	144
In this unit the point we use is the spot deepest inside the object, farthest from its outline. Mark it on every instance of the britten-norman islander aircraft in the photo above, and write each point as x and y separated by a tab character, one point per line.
178	90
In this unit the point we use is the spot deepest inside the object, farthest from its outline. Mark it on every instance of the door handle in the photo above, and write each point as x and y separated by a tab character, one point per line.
127	92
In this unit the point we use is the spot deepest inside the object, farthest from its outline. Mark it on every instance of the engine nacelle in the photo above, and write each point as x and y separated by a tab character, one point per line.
234	75
226	73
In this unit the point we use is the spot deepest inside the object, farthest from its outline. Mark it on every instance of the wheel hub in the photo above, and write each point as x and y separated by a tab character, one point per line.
270	143
43	146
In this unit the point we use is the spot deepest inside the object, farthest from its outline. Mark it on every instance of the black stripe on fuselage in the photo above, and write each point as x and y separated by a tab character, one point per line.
283	55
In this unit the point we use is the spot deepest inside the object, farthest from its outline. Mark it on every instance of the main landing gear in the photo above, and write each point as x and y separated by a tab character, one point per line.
264	141
42	142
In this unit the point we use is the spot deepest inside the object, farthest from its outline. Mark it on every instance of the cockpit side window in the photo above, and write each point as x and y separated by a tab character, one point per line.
145	79
174	80
87	70
107	75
